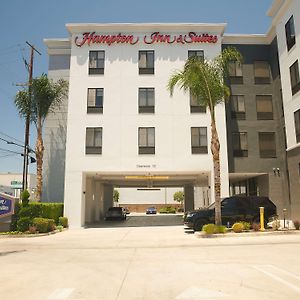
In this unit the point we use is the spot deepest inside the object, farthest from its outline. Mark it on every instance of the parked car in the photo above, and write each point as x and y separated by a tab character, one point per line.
151	211
115	213
234	209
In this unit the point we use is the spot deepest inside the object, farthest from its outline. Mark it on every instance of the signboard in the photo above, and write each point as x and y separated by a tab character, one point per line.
7	205
90	38
16	184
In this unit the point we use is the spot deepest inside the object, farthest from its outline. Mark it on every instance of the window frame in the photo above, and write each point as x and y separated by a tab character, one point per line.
98	70
289	30
146	108
93	149
95	108
295	81
195	107
297	125
235	112
234	78
146	149
146	70
261	79
199	149
240	151
263	152
264	115
193	53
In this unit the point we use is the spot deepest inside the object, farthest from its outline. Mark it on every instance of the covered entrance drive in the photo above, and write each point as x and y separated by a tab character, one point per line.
98	193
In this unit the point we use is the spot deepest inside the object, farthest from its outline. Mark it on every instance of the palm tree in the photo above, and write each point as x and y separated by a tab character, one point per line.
46	96
204	79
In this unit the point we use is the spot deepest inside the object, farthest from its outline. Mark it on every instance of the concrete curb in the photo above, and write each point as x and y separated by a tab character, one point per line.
246	234
30	235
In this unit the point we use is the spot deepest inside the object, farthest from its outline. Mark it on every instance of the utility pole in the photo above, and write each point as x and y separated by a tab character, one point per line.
27	122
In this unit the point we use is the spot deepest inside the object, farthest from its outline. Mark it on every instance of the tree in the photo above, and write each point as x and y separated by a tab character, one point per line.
178	197
116	196
46	96
204	79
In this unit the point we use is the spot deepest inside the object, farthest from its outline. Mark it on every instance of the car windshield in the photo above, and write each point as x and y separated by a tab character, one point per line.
211	206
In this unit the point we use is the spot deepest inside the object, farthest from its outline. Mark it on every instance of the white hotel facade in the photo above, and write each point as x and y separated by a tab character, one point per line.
120	128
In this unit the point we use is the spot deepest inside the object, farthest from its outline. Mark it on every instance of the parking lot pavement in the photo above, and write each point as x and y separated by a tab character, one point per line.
149	263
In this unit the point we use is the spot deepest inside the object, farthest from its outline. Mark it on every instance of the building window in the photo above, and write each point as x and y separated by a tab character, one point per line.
146	140
295	81
235	70
146	100
267	144
196	53
240	144
95	101
238	110
199	140
195	107
290	33
297	125
96	62
93	140
264	107
146	62
262	72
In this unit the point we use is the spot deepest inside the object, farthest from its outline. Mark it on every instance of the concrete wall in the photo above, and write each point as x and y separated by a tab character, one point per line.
120	119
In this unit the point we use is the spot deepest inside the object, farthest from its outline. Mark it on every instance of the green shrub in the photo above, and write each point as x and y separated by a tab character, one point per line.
25	197
51	225
24	223
247	225
212	228
167	210
60	228
238	227
209	228
63	221
15	217
52	211
221	229
41	224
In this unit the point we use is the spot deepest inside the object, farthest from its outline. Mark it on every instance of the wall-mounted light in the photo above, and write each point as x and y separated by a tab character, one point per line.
276	171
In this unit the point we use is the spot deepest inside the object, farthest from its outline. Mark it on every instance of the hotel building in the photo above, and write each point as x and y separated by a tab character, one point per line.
120	128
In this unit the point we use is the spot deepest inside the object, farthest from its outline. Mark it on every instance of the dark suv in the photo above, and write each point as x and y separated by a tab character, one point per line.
234	209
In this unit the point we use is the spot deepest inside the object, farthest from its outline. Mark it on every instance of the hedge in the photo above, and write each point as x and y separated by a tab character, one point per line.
43	225
37	210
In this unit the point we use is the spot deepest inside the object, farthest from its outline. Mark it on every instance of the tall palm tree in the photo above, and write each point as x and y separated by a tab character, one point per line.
46	96
204	79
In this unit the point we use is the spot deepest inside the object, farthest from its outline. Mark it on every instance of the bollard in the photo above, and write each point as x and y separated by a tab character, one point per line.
262	219
284	216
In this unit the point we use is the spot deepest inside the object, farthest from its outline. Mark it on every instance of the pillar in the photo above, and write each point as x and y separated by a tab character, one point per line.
188	197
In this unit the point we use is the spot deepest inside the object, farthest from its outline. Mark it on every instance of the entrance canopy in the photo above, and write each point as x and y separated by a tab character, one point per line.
151	179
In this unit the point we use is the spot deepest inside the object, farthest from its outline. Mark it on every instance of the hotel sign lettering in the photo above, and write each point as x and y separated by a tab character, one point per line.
90	38
6	206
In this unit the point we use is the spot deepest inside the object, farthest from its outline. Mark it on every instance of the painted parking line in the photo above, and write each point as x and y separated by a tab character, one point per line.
61	294
270	270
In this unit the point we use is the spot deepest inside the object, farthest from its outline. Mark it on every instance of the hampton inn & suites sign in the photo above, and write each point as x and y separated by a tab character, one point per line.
90	38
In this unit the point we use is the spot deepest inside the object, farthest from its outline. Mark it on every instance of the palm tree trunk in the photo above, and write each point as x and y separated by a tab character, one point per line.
39	148
215	150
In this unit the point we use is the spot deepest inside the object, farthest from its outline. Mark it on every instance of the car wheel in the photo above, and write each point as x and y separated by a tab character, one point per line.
199	224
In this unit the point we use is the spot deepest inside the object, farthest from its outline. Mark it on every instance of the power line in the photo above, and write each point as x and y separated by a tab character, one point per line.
10	137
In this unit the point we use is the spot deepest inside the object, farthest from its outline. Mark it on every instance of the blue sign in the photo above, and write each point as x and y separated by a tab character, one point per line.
7	206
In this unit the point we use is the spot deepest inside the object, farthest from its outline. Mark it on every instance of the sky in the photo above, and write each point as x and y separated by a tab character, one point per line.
34	20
